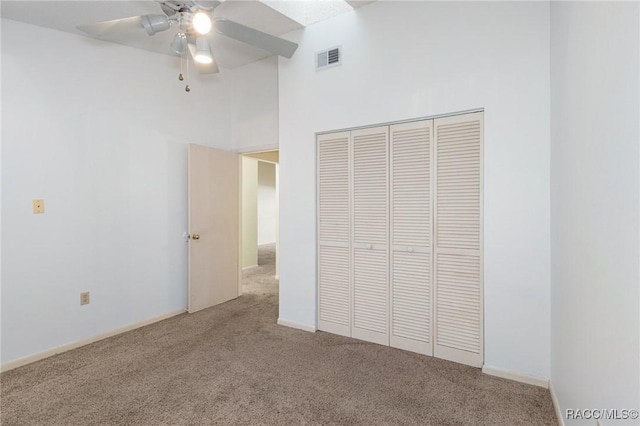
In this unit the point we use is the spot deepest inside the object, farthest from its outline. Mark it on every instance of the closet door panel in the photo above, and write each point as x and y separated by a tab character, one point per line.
410	233
370	234
411	184
411	301
458	239
333	233
370	294
458	304
334	311
333	188
370	186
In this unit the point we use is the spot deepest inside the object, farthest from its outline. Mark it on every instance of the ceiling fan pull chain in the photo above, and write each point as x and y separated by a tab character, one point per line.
180	77
187	88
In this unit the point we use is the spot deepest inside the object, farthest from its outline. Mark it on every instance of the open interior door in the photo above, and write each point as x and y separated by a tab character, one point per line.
214	225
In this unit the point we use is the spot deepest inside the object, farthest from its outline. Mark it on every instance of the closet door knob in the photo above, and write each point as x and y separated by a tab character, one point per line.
370	246
410	249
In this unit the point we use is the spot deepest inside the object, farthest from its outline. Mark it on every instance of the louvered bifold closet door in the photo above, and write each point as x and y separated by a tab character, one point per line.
334	289
370	235
411	229
458	239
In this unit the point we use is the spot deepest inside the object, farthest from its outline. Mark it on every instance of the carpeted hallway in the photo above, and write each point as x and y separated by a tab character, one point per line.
232	364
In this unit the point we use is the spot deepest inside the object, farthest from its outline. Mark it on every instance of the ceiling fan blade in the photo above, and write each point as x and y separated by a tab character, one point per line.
152	24
208	4
105	28
211	68
256	38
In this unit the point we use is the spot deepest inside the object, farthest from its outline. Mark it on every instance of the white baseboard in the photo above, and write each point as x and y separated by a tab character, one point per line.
249	268
10	365
518	377
292	324
531	380
556	405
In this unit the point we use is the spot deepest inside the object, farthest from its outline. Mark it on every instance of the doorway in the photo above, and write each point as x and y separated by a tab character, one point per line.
260	206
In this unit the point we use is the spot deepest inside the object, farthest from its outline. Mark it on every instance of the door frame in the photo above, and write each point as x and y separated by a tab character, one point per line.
246	152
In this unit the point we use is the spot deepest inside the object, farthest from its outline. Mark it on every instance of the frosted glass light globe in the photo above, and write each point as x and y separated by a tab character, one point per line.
201	23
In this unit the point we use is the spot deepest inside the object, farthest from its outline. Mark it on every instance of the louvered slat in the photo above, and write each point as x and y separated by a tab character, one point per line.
410	218
334	292
411	296
411	184
370	186
458	306
370	290
458	184
370	235
333	283
458	239
333	187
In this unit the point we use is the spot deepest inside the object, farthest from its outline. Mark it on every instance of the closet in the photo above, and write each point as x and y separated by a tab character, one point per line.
399	231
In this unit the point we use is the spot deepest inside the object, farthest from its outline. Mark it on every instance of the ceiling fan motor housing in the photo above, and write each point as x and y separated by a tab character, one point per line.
184	20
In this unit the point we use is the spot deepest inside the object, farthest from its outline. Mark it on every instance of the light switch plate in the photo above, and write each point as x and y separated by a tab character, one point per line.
38	206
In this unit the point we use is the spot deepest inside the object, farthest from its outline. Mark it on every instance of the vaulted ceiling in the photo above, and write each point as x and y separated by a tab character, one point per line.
270	16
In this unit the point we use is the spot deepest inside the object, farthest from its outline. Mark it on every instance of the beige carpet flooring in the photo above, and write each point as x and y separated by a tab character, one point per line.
233	365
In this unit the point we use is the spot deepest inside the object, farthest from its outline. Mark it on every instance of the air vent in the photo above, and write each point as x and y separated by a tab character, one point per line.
329	58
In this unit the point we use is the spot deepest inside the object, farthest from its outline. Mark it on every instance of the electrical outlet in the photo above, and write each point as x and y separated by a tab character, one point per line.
38	206
84	298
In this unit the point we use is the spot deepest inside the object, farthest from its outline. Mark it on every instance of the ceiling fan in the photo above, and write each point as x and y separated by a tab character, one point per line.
194	21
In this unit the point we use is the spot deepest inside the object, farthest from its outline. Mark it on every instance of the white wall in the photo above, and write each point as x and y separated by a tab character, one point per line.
249	212
254	105
595	172
99	131
267	203
411	59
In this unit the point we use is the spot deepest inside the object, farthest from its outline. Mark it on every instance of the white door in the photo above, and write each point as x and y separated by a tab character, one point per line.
214	227
411	229
458	239
370	254
334	292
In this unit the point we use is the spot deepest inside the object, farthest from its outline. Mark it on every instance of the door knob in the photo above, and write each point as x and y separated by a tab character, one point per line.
195	236
410	249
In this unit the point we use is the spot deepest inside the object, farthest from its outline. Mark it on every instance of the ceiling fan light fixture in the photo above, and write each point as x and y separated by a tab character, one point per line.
203	53
201	23
203	59
154	23
179	43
